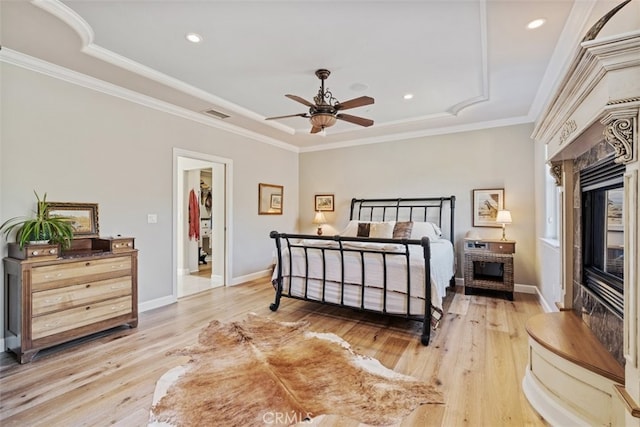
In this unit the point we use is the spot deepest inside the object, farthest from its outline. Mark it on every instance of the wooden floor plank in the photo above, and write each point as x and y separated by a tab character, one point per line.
477	356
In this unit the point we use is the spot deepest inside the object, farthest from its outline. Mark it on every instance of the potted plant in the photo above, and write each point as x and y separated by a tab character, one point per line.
42	228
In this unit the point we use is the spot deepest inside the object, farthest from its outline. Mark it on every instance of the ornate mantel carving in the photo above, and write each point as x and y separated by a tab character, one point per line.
568	128
556	172
621	132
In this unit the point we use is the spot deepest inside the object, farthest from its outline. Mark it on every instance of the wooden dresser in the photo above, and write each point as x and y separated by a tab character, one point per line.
52	301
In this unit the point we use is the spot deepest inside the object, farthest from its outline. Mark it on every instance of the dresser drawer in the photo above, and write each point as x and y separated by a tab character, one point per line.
53	276
40	252
502	247
61	321
79	295
122	245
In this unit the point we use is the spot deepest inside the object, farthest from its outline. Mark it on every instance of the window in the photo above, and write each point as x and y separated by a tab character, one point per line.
603	232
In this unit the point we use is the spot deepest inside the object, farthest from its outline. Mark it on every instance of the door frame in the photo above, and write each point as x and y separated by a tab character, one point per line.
226	199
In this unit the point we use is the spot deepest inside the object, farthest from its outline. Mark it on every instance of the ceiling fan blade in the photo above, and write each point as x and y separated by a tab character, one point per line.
290	115
315	129
355	120
300	100
355	102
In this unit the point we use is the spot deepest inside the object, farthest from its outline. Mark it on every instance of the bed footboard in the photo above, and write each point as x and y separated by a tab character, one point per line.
326	278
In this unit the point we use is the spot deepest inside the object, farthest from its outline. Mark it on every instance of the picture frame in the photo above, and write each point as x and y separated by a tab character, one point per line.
486	204
324	203
276	201
270	199
83	217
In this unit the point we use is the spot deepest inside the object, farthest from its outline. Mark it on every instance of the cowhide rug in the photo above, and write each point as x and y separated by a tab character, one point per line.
260	372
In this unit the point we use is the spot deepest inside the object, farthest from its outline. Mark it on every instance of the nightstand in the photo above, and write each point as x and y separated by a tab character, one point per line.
488	264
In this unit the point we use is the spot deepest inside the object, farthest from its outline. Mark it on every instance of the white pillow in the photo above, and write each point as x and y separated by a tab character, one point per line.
351	230
425	229
379	230
382	230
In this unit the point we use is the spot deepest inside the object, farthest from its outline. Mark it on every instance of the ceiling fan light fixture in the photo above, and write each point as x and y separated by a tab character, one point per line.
323	120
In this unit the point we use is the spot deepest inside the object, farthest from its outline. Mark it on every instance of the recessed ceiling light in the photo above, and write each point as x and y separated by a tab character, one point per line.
408	96
536	23
194	38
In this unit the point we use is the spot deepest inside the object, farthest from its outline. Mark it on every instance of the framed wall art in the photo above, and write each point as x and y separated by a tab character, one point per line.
83	217
270	199
324	203
276	201
486	204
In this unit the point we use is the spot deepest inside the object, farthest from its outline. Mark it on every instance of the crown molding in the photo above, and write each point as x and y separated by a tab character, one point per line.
420	134
43	67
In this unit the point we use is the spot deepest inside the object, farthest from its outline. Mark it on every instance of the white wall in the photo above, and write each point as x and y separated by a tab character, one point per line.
443	165
79	145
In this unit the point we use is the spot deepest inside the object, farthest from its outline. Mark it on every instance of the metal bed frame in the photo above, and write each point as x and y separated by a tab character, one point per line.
431	209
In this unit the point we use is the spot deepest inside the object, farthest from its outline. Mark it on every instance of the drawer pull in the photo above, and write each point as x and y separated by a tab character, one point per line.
117	307
52	300
119	287
117	266
129	244
52	324
87	308
500	246
87	264
35	253
52	251
88	285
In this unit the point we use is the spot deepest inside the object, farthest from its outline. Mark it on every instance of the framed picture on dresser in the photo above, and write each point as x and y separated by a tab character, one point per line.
83	217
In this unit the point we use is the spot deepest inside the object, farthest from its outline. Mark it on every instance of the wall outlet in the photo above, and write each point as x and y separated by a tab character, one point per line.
152	219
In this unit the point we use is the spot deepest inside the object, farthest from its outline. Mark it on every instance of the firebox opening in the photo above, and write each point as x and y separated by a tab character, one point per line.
603	232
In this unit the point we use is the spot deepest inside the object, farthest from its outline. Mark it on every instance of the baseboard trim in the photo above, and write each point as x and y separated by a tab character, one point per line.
156	303
525	289
248	277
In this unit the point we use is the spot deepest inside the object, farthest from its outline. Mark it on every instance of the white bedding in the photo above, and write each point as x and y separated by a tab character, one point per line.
442	269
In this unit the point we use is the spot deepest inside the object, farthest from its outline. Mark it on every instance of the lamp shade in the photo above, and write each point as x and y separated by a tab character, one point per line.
504	217
319	218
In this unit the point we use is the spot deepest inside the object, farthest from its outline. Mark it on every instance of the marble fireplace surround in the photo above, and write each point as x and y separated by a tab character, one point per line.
603	322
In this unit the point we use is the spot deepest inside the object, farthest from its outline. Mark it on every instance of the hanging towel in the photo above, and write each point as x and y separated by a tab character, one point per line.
194	216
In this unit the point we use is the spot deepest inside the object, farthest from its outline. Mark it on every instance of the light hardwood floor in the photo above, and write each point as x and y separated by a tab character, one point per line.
479	355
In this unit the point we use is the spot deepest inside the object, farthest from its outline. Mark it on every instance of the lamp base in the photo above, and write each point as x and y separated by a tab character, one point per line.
504	237
319	231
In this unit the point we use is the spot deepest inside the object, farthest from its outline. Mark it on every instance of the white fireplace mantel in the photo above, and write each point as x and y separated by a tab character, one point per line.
597	100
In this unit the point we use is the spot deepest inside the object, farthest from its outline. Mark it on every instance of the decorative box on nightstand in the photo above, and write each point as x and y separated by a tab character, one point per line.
488	264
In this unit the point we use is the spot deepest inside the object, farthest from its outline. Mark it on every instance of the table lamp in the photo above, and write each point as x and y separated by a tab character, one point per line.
504	218
319	220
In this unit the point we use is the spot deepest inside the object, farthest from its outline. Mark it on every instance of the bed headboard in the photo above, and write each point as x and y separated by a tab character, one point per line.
439	210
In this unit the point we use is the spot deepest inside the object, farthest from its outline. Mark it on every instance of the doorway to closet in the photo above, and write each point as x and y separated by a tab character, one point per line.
201	206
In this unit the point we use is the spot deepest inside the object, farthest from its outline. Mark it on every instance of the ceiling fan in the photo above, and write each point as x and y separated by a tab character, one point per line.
327	110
